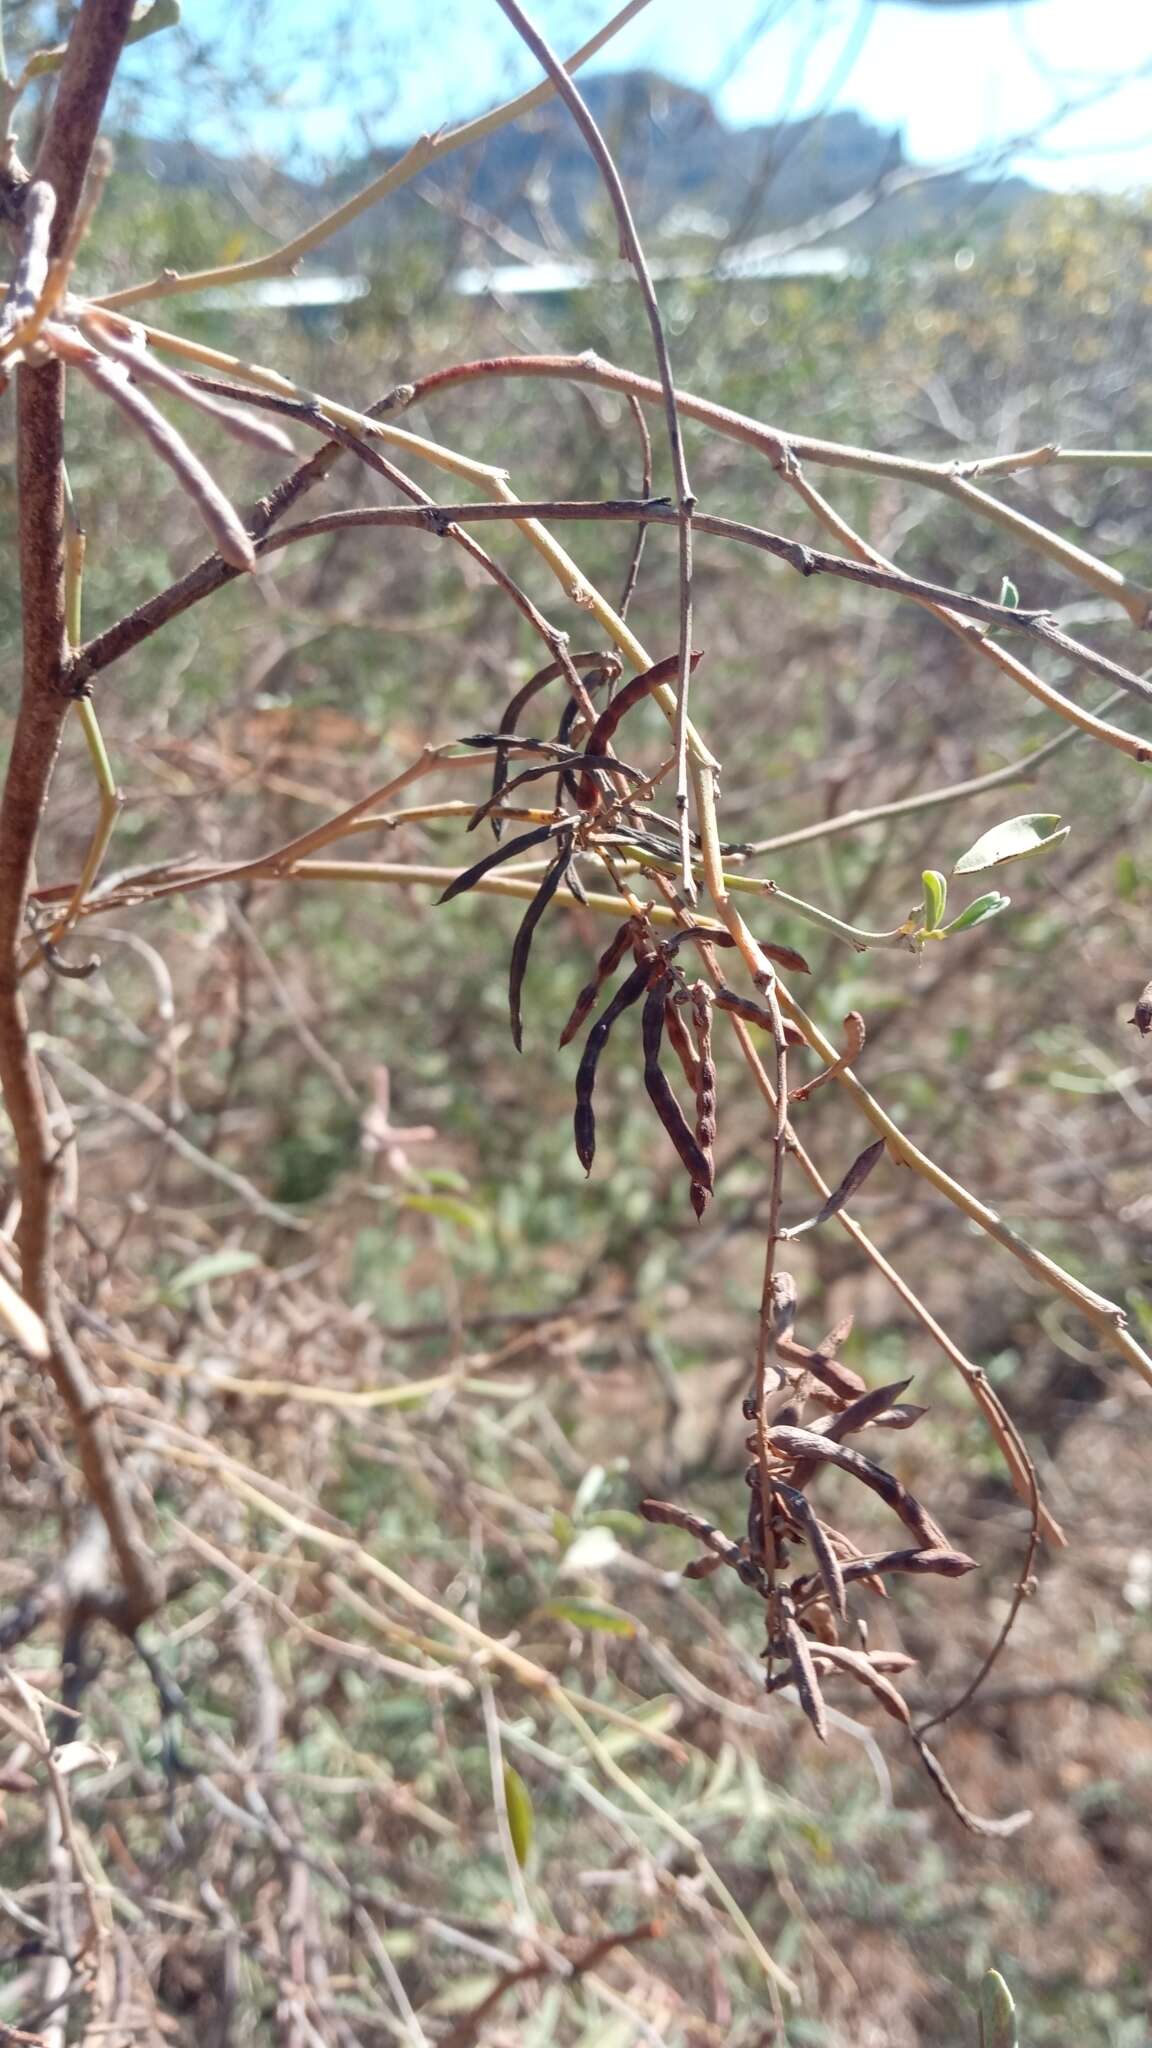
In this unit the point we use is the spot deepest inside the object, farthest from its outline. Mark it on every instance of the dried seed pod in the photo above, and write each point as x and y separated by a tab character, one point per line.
803	1444
607	964
944	1564
781	1311
804	1515
584	1121
555	766
221	518
1142	1015
854	1038
134	355
634	692
855	1177
522	943
802	1668
859	1413
705	1090
604	667
660	1091
723	1549
472	875
676	1032
860	1665
753	1013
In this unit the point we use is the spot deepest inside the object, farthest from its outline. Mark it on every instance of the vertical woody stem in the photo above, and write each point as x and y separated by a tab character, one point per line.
86	75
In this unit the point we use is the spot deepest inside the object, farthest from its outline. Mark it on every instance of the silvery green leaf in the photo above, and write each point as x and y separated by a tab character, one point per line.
1015	839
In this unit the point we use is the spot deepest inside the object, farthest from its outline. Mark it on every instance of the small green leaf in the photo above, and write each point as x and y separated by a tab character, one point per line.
147	19
590	1487
1009	593
521	1819
589	1614
1015	839
655	1717
446	1179
935	898
220	1265
448	1208
977	913
622	1521
997	2013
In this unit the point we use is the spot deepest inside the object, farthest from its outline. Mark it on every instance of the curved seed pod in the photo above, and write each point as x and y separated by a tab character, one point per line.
854	1038
723	1549
554	767
855	1177
803	1669
705	1091
634	692
604	667
607	964
135	356
224	524
676	1032
944	1564
522	943
804	1515
752	1013
584	1121
803	1444
660	1089
472	875
866	1408
860	1665
1142	1015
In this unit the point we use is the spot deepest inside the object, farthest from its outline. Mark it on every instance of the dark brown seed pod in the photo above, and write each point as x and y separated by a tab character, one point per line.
804	1444
1142	1015
802	1513
522	943
607	964
472	875
867	1408
555	766
855	1177
753	1013
802	1668
634	692
944	1564
660	1091
602	667
676	1032
584	1121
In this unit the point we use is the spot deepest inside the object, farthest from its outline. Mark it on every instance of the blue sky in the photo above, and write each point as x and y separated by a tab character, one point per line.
953	79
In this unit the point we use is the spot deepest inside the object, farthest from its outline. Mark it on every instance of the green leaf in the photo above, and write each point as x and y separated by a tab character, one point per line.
589	1614
935	898
521	1819
622	1522
148	18
997	2013
220	1265
1015	839
448	1208
655	1717
977	913
1009	593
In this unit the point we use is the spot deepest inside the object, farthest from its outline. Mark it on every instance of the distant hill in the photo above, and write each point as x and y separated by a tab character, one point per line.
689	177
